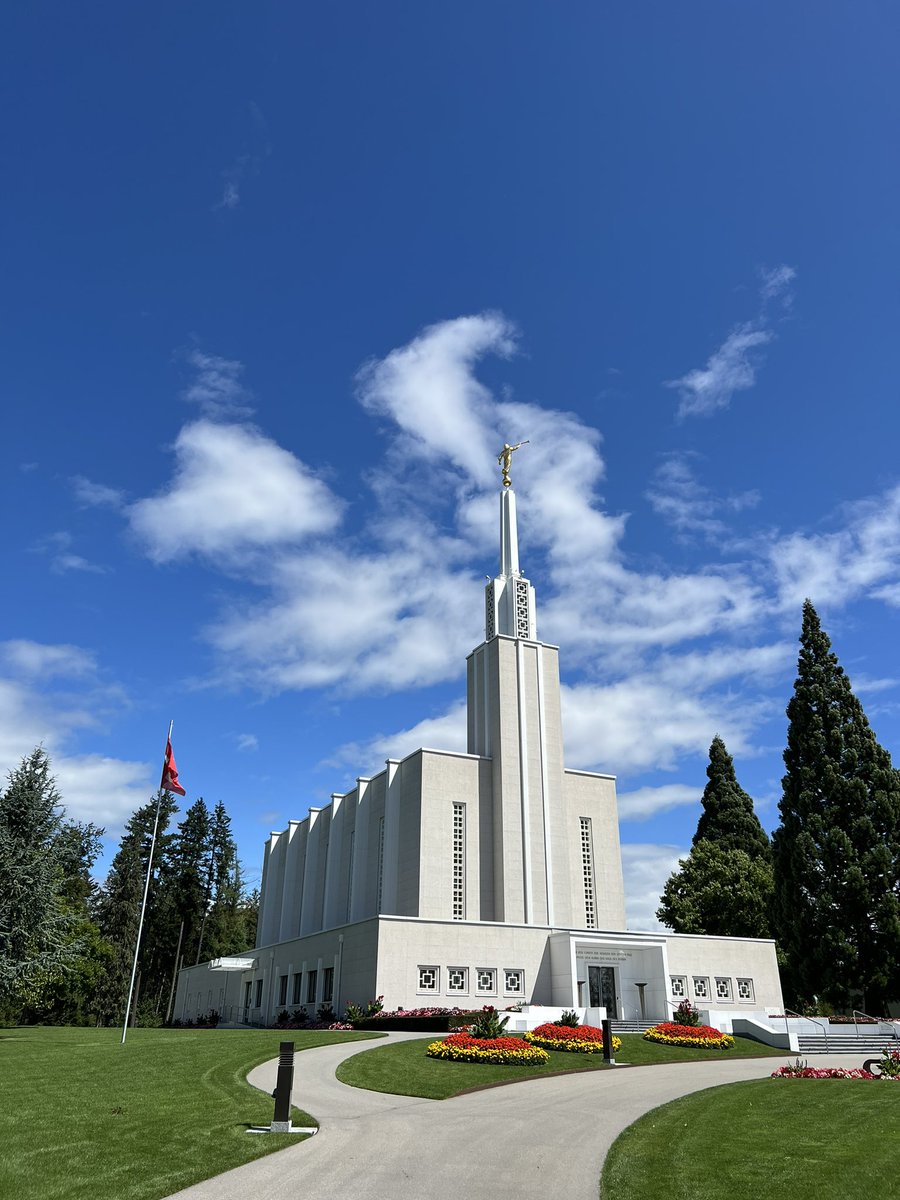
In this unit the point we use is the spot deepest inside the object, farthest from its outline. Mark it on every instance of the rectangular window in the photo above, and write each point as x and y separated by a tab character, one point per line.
429	979
282	989
678	985
380	862
486	981
745	989
328	985
258	993
459	862
457	979
701	987
350	876
298	982
248	991
723	988
587	869
311	980
514	982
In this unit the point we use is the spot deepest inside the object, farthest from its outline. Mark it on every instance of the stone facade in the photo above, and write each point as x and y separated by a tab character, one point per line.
492	876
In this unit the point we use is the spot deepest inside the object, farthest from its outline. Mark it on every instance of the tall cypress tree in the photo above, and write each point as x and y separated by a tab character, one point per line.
728	818
837	851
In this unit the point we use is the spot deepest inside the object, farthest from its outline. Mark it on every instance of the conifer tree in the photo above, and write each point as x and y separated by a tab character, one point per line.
837	850
724	886
728	818
36	924
119	905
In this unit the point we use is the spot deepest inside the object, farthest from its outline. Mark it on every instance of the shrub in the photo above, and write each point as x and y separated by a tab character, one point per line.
703	1036
325	1014
800	1070
686	1014
581	1039
499	1051
489	1024
568	1019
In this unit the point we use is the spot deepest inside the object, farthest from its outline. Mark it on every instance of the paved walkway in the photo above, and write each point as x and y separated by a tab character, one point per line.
535	1139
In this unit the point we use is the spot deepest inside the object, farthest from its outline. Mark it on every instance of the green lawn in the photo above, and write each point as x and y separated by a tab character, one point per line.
791	1139
85	1118
404	1069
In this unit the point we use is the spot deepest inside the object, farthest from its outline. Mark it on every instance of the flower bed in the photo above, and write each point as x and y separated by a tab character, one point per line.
501	1051
701	1036
579	1039
804	1072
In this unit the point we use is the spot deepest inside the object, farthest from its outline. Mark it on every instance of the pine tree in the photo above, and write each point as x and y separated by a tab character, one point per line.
837	850
119	906
724	886
36	924
728	818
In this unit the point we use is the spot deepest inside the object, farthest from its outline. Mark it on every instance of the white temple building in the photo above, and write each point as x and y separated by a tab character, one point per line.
490	877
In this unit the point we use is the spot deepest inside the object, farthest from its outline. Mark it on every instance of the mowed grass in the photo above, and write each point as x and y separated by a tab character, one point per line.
791	1139
82	1116
404	1069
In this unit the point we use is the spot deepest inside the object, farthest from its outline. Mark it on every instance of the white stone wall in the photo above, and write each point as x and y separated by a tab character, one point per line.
729	959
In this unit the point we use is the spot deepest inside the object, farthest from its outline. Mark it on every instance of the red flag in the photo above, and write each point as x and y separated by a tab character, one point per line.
169	781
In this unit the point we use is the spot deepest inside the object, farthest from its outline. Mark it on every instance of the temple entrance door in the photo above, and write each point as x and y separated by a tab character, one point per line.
602	988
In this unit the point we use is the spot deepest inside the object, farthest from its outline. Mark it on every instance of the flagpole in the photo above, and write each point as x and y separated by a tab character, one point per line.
137	943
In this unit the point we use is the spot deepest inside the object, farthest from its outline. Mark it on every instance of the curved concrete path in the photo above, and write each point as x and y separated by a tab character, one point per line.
537	1138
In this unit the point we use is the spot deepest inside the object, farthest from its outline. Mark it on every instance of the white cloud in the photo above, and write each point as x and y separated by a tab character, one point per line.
61	563
247	741
775	282
688	506
444	732
96	495
217	389
729	369
647	802
40	660
93	787
646	867
234	490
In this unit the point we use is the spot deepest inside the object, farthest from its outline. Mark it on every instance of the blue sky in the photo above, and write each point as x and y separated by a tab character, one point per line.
279	281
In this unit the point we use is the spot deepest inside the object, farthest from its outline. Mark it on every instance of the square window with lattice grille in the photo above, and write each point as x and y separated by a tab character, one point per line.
514	982
723	988
486	981
745	989
457	979
678	985
429	978
701	987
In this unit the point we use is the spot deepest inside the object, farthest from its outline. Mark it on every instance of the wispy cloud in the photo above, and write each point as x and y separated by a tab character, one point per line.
217	387
646	866
57	547
687	505
247	741
96	495
247	164
732	367
647	802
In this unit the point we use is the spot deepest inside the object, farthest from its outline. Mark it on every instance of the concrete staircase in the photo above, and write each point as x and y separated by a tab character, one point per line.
621	1027
847	1043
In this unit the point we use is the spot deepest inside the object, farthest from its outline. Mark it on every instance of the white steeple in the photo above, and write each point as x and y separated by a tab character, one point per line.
509	597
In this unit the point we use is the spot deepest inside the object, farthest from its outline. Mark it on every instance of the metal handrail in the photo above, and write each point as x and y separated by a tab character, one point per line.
858	1012
789	1012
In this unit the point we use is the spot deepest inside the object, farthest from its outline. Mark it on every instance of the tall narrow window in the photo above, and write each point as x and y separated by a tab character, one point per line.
350	876
380	862
587	867
459	862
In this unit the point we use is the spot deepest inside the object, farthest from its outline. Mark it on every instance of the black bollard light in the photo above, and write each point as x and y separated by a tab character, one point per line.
284	1085
607	1043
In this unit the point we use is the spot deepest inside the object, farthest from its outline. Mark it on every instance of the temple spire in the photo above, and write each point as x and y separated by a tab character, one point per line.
509	535
509	607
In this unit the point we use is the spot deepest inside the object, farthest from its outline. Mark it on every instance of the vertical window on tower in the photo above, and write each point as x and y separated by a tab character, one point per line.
587	867
459	862
380	863
350	876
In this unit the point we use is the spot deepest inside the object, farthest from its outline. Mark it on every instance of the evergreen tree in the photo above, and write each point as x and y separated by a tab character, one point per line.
728	818
724	886
119	905
718	891
837	850
36	924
